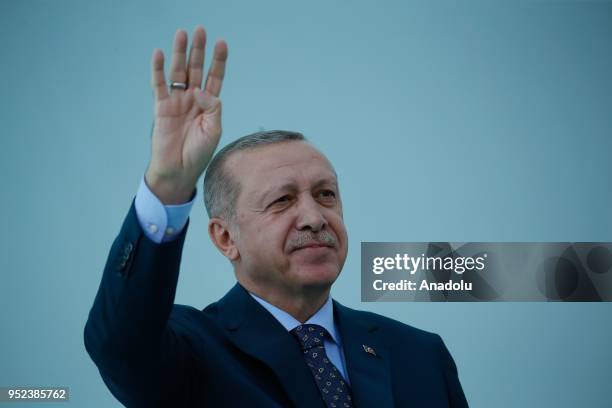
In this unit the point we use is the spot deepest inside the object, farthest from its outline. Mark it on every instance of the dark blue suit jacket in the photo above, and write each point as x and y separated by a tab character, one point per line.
234	353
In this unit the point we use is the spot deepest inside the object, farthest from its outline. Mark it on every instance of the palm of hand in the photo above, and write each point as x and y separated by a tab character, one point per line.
185	134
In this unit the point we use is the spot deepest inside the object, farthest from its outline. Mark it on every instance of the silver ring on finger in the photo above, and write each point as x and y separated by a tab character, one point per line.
178	85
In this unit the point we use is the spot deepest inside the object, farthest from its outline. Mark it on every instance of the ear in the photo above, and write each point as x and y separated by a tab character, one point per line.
221	236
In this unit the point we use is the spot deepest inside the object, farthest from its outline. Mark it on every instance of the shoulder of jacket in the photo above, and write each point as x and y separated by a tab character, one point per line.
393	327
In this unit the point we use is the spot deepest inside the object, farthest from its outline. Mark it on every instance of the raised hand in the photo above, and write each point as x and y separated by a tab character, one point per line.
187	125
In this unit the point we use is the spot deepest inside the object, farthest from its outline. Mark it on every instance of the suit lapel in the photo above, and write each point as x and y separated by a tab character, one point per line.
255	331
368	371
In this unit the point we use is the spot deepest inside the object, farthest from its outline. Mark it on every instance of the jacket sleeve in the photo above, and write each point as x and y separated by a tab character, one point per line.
140	358
456	397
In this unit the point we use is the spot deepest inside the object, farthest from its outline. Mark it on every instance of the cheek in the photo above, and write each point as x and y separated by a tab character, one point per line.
337	225
268	237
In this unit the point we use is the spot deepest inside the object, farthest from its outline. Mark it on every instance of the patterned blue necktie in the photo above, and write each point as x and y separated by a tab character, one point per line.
335	391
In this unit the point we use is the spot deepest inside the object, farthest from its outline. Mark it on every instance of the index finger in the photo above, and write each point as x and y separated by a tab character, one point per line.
158	80
216	72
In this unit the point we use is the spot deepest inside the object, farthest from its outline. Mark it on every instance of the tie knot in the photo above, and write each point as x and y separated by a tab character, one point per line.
309	335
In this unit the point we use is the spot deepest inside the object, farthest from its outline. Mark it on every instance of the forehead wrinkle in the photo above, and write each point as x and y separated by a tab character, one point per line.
255	196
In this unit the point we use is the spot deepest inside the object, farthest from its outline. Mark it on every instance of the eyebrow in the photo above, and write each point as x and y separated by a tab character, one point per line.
291	186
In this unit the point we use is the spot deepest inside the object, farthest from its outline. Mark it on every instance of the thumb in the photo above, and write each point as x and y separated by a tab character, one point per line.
209	103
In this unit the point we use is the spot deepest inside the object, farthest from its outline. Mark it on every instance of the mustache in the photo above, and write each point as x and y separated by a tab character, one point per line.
322	237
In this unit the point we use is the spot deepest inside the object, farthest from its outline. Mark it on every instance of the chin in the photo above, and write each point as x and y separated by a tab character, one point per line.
317	275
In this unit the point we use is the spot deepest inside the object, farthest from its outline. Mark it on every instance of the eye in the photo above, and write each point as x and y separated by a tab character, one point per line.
327	194
282	199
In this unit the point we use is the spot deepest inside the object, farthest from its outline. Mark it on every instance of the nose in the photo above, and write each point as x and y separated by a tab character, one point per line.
310	215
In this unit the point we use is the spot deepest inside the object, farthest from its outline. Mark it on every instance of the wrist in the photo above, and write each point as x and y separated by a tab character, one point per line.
170	190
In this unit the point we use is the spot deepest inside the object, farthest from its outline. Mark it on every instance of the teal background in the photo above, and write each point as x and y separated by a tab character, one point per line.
446	121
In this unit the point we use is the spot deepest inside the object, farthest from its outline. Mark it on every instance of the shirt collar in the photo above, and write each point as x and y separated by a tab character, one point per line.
323	317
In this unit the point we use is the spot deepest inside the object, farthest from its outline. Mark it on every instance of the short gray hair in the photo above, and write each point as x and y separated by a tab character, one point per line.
221	191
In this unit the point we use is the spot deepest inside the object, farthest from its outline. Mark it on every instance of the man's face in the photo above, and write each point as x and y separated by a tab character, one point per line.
291	235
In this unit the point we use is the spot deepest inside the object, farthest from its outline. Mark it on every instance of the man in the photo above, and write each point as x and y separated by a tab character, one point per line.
276	339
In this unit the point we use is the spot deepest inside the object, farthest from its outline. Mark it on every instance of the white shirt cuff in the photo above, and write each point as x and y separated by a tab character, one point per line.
160	223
